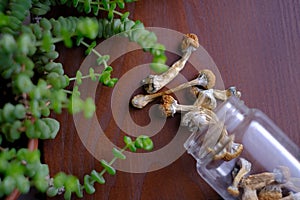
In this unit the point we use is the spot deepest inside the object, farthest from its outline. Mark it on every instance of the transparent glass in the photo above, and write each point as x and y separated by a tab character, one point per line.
265	146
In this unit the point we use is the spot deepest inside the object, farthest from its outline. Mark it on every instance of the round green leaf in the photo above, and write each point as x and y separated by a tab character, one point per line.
108	167
87	27
127	140
42	127
78	77
89	188
87	6
97	177
14	132
118	154
23	184
67	195
9	184
124	16
147	143
112	82
158	67
23	83
53	125
52	191
24	42
45	24
59	180
8	112
20	111
138	143
89	108
71	183
132	147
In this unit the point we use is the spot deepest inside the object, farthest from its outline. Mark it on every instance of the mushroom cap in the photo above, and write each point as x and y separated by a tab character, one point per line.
236	150
168	107
139	101
210	76
197	120
232	91
193	92
194	41
270	192
234	191
149	84
258	181
190	39
282	174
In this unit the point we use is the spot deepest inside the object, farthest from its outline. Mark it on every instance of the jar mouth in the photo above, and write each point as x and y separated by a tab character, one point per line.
193	144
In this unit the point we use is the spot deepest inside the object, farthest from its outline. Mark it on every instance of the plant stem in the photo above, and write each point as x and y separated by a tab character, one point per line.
83	77
114	11
110	163
102	8
113	160
95	52
67	91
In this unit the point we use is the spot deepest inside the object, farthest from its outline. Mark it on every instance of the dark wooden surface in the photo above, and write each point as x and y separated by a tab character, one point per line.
256	46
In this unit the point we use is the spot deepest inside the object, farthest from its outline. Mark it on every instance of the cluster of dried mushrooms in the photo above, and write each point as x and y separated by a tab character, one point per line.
217	145
276	185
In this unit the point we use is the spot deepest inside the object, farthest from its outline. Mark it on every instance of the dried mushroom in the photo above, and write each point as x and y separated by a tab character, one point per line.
197	120
206	99
256	182
225	94
222	95
270	192
170	106
244	168
231	151
226	149
153	83
217	144
206	78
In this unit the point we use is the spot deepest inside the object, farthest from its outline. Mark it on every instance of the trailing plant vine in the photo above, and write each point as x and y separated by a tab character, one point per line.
33	84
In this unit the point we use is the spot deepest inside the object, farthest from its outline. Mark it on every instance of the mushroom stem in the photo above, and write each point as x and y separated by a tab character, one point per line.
249	194
170	106
215	143
222	95
232	150
206	99
245	167
225	94
224	149
205	78
153	83
185	108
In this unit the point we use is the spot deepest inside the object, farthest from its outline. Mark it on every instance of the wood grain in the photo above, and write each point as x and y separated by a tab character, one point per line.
256	46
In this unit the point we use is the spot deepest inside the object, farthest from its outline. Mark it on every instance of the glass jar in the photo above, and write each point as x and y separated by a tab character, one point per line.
265	146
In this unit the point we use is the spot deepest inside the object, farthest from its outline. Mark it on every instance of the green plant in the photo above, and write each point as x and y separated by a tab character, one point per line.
70	184
33	84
